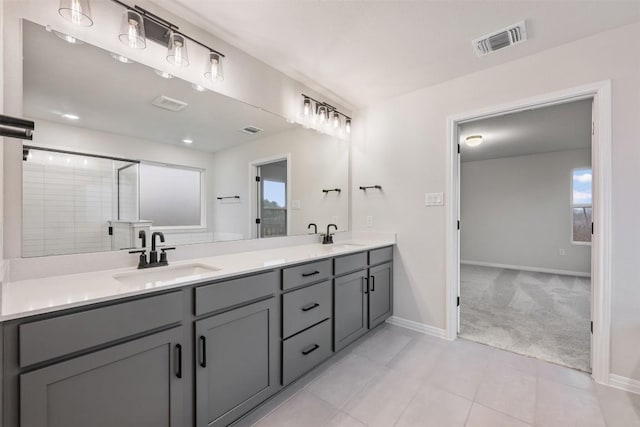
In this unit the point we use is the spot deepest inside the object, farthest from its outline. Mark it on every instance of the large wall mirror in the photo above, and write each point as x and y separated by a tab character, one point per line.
120	148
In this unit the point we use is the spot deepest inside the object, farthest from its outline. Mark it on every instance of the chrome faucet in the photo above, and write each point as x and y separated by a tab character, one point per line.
327	239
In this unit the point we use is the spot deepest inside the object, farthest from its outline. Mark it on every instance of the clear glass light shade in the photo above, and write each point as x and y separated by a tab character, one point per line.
177	53
213	69
132	30
336	120
76	11
347	126
306	107
322	114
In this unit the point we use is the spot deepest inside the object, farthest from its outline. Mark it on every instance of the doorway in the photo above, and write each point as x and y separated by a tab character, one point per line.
272	200
525	234
601	242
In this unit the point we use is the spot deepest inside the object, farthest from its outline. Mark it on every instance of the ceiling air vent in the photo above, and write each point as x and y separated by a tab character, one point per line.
169	104
251	130
509	36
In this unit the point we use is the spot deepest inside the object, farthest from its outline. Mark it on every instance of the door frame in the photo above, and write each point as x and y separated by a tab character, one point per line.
253	171
600	92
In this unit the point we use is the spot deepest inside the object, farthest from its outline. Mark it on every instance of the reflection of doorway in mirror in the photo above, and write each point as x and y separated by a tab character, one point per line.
271	180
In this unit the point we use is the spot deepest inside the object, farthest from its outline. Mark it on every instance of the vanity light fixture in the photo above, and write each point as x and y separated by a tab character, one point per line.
325	114
70	116
76	11
306	107
213	69
121	58
132	30
474	140
163	74
177	51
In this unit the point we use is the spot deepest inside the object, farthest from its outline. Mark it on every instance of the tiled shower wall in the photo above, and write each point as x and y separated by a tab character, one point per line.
67	203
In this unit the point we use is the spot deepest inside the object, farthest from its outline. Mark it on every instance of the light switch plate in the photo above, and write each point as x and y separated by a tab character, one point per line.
434	199
369	221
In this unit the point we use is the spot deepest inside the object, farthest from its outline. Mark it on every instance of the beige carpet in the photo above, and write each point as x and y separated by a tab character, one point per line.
536	314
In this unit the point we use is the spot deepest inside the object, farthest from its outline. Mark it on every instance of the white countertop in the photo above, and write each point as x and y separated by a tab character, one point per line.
36	296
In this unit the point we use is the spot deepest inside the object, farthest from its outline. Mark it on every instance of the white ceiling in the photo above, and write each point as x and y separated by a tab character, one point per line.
366	51
61	78
556	128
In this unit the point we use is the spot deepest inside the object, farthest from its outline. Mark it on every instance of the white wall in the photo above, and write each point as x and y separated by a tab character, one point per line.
317	162
517	211
402	145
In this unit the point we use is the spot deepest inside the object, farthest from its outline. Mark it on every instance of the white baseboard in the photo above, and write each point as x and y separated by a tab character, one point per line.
527	268
418	327
624	383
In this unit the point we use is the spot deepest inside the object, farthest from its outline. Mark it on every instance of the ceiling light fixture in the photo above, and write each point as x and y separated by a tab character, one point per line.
121	58
187	141
198	88
474	140
66	37
132	30
177	51
163	74
213	70
70	116
76	11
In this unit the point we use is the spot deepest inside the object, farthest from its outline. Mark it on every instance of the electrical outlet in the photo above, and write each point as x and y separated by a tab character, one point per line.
369	221
562	252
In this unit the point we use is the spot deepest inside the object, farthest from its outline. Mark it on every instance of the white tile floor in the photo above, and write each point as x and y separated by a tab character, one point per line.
396	377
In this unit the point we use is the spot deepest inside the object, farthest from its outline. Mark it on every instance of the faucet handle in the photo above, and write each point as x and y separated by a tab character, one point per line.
163	255
168	249
140	251
143	257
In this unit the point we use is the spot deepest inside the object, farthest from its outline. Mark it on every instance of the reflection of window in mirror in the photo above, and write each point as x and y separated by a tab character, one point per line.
272	190
171	196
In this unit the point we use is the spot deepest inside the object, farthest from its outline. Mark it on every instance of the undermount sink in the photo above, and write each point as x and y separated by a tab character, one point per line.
165	275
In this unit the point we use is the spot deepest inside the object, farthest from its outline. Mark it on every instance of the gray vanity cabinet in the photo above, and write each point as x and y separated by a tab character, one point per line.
380	294
351	308
138	383
237	362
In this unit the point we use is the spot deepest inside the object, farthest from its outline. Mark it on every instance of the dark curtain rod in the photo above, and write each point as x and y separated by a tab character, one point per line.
76	153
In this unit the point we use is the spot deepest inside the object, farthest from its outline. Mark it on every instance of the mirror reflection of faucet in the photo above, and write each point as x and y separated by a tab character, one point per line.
153	255
327	239
315	228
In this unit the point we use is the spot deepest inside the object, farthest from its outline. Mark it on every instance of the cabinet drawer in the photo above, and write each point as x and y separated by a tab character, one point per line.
58	336
305	351
349	263
306	273
378	256
221	295
305	307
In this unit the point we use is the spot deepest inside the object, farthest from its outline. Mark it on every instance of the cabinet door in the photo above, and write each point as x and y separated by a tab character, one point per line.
138	383
380	293
236	362
350	322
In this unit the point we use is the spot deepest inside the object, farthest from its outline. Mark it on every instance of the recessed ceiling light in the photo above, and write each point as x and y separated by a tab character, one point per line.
474	140
70	116
164	74
121	58
198	87
66	37
187	141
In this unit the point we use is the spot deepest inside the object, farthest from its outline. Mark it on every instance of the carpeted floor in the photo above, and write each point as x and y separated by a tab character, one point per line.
536	314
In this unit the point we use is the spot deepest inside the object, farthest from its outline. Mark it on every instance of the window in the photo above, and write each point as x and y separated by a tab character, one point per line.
171	196
581	205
